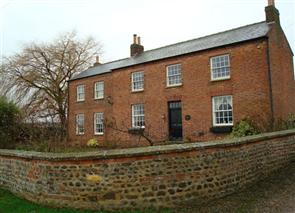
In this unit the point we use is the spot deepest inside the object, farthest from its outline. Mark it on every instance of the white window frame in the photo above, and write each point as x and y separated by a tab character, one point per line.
98	121
140	116
167	75
133	81
225	66
78	118
214	110
98	91
80	93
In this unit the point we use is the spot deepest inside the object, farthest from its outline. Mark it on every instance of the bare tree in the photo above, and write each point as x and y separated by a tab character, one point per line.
37	77
123	128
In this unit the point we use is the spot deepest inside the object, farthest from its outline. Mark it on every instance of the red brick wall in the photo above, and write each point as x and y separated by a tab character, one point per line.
281	64
88	107
248	85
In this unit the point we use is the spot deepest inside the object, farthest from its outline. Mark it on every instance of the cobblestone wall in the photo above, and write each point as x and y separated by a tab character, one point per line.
149	177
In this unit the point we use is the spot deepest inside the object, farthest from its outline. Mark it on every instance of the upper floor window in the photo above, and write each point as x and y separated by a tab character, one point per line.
98	123
99	90
137	81
220	67
174	75
138	116
80	92
80	124
222	110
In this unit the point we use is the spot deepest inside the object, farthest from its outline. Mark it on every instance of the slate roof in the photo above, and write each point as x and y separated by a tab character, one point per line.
244	33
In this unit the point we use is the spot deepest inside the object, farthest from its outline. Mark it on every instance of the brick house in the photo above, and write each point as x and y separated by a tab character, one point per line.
191	91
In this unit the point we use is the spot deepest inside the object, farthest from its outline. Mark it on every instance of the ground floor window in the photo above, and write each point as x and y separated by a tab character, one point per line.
222	110
138	116
98	123
80	121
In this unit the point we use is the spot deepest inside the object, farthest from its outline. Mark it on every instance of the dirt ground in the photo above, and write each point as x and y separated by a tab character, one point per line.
275	194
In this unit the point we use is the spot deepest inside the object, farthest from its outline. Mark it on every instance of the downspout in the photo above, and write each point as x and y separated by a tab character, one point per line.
68	110
270	83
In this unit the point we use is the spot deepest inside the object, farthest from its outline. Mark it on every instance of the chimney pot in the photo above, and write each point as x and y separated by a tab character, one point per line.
136	48
271	2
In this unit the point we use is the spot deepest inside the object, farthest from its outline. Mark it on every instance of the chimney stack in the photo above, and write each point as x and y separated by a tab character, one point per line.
136	48
96	61
271	12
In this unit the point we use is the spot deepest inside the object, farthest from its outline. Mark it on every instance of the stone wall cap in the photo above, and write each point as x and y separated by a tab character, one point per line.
144	151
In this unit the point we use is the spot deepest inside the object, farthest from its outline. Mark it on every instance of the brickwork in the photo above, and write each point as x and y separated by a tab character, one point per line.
282	71
148	177
248	67
88	108
261	84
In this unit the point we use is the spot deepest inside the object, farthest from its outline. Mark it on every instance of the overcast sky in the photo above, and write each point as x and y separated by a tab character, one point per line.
113	22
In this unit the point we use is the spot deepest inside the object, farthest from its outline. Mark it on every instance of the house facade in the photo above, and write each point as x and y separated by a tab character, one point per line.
190	91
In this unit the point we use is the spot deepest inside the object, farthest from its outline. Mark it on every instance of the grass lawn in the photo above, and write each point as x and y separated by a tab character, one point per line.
12	204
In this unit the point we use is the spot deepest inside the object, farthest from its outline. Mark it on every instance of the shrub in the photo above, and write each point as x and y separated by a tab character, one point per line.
92	143
288	123
245	127
9	123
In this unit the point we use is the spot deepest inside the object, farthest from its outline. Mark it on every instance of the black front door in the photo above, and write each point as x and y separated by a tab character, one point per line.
175	120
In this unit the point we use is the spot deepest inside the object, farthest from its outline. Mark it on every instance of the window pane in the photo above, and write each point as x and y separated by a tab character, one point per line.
138	115
174	75
137	81
99	90
98	123
222	110
220	67
80	93
80	124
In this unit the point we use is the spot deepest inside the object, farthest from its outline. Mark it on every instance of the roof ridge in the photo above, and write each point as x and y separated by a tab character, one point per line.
109	62
188	41
259	29
205	36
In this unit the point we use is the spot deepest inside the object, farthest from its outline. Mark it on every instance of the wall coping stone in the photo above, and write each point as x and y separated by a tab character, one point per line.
144	151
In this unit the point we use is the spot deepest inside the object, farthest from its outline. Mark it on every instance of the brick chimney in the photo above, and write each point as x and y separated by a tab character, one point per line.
271	12
136	48
96	61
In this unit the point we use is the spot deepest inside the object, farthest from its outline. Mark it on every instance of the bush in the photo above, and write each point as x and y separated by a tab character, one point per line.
9	123
92	143
288	123
245	127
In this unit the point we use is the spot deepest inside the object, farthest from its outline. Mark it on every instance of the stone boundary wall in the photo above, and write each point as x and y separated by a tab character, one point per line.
147	177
